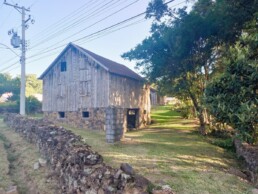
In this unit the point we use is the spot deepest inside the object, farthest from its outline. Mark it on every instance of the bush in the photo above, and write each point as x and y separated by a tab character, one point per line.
9	107
224	143
33	105
232	97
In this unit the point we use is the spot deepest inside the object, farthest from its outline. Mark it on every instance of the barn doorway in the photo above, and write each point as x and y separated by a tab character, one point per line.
132	118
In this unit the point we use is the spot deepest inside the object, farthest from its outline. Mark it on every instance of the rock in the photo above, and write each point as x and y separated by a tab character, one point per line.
12	190
36	166
141	182
165	189
162	192
92	191
92	157
125	176
111	189
87	171
127	168
118	173
100	191
107	172
237	173
42	162
254	191
52	132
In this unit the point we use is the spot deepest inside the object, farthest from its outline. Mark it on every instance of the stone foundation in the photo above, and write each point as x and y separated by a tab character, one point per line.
95	121
113	120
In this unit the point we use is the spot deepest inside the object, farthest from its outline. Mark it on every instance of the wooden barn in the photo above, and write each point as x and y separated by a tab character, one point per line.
89	91
155	98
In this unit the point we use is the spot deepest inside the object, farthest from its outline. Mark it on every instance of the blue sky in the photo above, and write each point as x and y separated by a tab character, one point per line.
59	22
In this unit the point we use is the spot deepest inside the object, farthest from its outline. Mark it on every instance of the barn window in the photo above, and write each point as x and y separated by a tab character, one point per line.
61	114
131	112
63	66
84	89
85	114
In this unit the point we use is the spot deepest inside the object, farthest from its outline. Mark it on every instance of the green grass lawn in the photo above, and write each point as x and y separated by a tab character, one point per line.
170	151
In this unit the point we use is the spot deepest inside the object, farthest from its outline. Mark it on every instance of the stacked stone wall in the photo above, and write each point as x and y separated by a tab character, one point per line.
78	168
249	155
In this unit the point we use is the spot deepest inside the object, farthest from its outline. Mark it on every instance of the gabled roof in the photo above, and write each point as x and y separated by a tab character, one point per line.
109	65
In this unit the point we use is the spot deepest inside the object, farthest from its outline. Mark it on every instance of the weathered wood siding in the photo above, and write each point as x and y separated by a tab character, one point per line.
84	84
127	93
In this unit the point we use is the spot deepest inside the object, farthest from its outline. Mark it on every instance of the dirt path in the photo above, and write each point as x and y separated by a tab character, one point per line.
17	161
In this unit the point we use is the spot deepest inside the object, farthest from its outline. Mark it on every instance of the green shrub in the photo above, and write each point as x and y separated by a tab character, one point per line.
224	143
33	105
232	97
9	107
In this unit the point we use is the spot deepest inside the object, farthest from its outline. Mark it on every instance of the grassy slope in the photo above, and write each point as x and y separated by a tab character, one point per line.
171	152
5	179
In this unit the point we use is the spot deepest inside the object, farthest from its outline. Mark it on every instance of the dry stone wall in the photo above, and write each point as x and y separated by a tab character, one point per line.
249	154
78	168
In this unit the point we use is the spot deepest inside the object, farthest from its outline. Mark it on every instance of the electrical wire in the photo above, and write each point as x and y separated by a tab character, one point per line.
90	37
68	18
95	23
54	53
75	23
33	3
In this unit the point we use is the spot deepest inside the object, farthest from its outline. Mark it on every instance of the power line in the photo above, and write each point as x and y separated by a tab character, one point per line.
88	26
109	32
33	3
9	66
70	16
91	37
10	60
49	49
78	20
95	23
7	47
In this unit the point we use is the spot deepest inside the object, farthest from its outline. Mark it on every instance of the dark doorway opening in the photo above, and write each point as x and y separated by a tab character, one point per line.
131	118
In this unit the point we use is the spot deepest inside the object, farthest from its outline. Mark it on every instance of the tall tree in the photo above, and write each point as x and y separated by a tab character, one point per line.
9	84
33	85
183	47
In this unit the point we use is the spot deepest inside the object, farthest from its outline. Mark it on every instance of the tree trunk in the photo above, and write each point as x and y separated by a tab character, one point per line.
200	113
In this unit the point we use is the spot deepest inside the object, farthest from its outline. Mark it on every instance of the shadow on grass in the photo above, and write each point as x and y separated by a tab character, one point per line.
171	151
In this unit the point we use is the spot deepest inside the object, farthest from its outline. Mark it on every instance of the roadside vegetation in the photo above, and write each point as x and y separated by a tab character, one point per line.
170	151
10	93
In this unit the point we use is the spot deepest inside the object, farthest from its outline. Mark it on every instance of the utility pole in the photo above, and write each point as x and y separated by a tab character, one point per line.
23	11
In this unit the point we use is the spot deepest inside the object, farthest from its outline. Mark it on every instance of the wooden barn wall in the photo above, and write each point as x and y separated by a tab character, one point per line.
84	84
125	92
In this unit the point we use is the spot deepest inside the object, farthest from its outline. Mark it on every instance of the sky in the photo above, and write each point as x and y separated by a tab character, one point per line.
59	22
